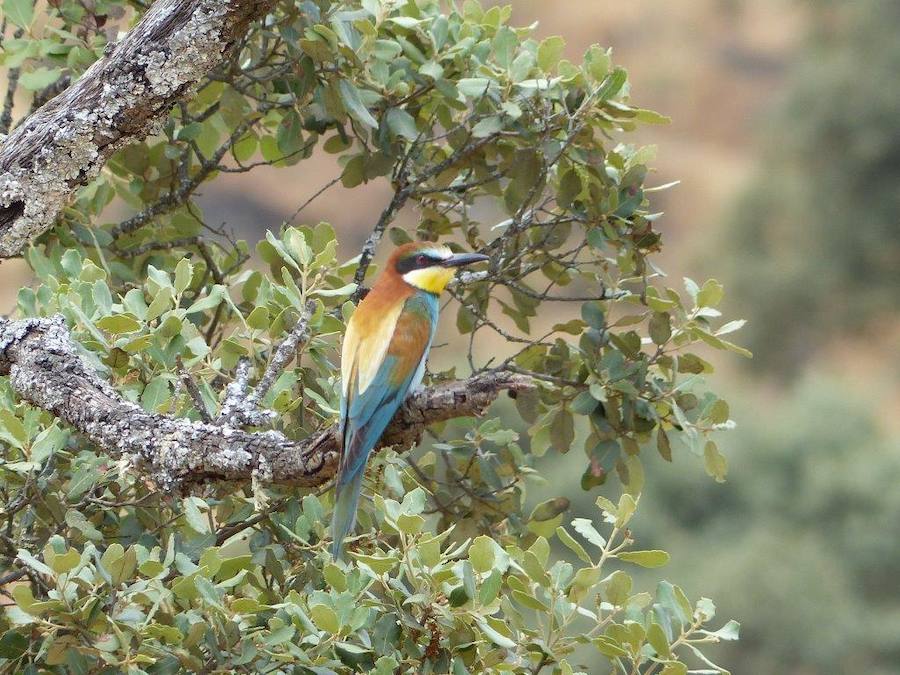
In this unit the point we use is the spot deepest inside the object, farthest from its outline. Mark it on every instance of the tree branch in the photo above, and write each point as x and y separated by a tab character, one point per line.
175	453
121	98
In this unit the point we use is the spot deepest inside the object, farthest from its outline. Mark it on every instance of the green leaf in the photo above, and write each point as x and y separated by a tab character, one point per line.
528	405
711	294
598	61
490	588
653	558
535	569
676	668
487	127
584	404
530	601
585	579
586	529
495	636
572	544
657	639
650	117
354	105
325	618
335	577
194	517
213	299
155	393
78	521
481	554
730	327
715	463
346	289
562	431
49	441
12	645
378	564
719	412
385	50
612	85
12	430
626	509
550	52
474	87
660	327
259	318
617	588
609	647
730	631
672	598
662	445
162	302
431	69
593	315
20	12
410	523
549	509
184	272
118	324
402	124
65	562
34	563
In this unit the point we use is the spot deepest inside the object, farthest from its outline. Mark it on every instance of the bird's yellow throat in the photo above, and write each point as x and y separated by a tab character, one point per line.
430	279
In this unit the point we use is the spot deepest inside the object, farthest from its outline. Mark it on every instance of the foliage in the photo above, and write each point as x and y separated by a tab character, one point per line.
457	111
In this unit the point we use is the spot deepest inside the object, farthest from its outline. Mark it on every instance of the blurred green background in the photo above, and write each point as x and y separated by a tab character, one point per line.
786	140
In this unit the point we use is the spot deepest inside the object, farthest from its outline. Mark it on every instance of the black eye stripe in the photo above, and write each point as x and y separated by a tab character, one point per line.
417	261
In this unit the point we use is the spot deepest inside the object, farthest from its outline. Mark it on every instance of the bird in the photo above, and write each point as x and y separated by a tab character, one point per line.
383	356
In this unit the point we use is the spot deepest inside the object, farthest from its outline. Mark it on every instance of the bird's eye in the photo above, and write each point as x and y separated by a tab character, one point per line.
421	260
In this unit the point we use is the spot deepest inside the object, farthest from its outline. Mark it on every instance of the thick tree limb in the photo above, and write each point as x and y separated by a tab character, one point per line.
120	99
46	371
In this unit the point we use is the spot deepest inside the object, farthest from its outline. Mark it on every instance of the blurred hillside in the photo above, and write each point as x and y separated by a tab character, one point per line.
801	545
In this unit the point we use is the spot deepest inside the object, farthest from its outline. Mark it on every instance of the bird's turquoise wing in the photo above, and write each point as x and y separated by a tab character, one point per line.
367	413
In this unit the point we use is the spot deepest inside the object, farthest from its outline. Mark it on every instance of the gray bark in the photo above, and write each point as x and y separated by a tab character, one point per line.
175	453
121	99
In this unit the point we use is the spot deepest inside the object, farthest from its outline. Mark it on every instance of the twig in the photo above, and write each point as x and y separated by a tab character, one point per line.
193	391
12	84
174	198
368	251
295	341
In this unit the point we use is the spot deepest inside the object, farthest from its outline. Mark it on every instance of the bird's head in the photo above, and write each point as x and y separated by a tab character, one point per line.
428	266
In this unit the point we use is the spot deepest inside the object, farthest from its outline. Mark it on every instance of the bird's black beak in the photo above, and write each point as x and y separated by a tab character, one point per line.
460	259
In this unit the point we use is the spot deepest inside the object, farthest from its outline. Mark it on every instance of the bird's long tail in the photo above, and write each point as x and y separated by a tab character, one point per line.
344	517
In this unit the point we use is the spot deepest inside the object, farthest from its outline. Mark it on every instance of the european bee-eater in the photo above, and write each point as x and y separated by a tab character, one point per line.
383	358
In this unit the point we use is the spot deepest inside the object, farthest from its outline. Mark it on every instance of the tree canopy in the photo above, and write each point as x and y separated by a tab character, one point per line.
170	391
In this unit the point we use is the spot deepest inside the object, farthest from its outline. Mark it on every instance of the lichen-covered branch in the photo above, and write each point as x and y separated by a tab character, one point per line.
46	371
120	99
